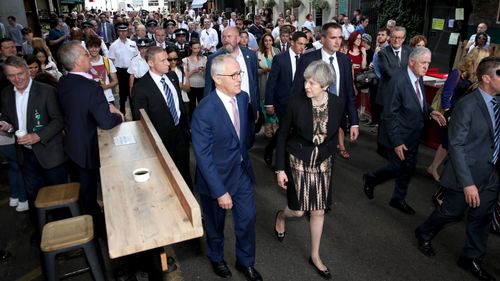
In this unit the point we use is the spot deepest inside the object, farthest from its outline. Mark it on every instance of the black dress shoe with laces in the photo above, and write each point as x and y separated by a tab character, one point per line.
221	269
424	246
251	274
368	187
474	267
323	273
402	206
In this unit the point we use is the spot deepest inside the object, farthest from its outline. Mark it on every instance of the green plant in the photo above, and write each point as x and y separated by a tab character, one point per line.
268	4
292	4
251	3
320	4
406	13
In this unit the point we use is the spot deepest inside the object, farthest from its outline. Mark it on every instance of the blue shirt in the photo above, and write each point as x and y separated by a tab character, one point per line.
487	99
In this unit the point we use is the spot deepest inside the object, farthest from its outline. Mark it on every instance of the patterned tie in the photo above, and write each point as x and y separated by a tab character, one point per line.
496	113
170	101
419	96
333	86
236	116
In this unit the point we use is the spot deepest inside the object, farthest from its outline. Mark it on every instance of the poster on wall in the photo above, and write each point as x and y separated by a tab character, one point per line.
343	7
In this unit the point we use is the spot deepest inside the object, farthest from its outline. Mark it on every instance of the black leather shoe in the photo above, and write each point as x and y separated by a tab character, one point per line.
424	246
251	274
402	206
323	273
474	267
221	269
279	236
368	187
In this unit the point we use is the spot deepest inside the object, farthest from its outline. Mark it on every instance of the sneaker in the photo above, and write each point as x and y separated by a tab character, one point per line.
22	206
13	202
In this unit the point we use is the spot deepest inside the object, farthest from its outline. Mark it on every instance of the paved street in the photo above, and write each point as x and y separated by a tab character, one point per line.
362	239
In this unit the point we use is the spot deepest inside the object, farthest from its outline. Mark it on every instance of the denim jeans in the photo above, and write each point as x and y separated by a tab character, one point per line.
15	176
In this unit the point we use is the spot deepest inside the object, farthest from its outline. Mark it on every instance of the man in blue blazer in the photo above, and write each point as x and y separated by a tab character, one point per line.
471	176
279	83
249	78
402	122
85	108
331	38
224	176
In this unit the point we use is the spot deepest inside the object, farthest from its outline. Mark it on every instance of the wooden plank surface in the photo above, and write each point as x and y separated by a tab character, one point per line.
151	214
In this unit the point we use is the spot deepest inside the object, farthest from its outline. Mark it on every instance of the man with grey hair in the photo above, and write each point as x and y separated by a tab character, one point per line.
403	119
470	177
391	24
248	63
224	176
85	108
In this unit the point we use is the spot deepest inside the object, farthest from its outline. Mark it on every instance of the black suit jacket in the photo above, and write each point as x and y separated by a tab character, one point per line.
471	144
389	67
279	82
85	108
110	30
346	90
295	134
148	96
42	100
192	35
403	119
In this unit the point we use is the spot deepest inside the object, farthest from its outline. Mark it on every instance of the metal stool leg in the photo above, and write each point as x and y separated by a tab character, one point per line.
93	260
42	216
50	266
75	209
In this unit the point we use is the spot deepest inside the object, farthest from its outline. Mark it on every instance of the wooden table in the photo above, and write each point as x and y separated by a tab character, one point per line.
151	214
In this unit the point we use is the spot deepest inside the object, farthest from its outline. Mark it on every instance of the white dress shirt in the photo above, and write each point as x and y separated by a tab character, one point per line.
245	82
157	80
122	52
294	63
209	39
22	106
326	58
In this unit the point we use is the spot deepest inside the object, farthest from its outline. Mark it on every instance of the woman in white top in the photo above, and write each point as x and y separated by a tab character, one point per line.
194	67
265	56
46	64
176	66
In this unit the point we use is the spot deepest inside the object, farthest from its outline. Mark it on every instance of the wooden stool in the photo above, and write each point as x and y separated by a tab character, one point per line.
67	235
55	197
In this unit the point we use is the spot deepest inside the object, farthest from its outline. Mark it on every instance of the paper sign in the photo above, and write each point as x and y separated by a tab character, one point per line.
123	140
459	14
451	23
438	24
453	38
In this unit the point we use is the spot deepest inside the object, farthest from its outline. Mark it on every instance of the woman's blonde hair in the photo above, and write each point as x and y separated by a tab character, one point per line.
468	65
40	43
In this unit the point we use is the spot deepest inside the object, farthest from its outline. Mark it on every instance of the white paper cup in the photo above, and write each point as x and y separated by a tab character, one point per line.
141	174
21	133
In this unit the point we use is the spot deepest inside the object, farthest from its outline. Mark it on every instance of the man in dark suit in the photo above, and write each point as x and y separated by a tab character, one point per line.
402	122
85	108
33	108
158	93
331	38
279	83
248	64
192	34
224	175
392	59
106	30
470	177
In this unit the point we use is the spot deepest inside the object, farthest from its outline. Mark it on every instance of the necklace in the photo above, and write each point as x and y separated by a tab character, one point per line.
322	105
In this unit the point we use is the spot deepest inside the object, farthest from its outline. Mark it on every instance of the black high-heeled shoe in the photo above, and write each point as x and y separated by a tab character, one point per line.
279	236
323	273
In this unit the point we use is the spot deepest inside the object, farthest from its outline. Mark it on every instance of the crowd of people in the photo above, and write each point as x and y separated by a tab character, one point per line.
297	82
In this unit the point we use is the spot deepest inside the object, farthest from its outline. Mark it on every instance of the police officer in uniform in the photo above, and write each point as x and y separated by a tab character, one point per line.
181	44
151	26
121	52
138	65
169	27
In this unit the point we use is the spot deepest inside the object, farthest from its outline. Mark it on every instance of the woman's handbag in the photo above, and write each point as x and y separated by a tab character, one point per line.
366	79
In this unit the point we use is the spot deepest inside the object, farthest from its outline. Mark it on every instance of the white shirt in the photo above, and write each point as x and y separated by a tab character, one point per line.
226	101
182	81
398	52
157	79
245	82
276	32
122	52
326	58
112	69
138	67
22	106
292	59
209	39
310	25
347	29
472	40
414	78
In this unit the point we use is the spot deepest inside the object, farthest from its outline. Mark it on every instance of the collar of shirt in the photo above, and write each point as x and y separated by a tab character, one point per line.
326	58
292	59
226	101
84	74
487	99
26	91
157	80
413	77
396	50
245	78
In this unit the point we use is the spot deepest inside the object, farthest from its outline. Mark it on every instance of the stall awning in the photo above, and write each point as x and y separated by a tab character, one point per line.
198	3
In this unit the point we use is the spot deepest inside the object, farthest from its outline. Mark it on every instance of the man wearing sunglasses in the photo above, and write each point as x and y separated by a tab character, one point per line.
471	176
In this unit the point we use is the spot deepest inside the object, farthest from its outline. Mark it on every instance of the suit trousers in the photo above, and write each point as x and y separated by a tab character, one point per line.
244	214
401	170
123	88
478	219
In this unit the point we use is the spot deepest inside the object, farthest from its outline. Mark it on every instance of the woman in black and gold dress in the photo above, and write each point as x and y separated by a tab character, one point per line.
306	144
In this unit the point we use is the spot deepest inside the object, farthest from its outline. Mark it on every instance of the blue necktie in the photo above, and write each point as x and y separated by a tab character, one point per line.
333	86
496	113
170	101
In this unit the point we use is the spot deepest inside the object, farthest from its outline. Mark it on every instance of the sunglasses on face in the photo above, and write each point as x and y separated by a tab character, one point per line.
173	59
